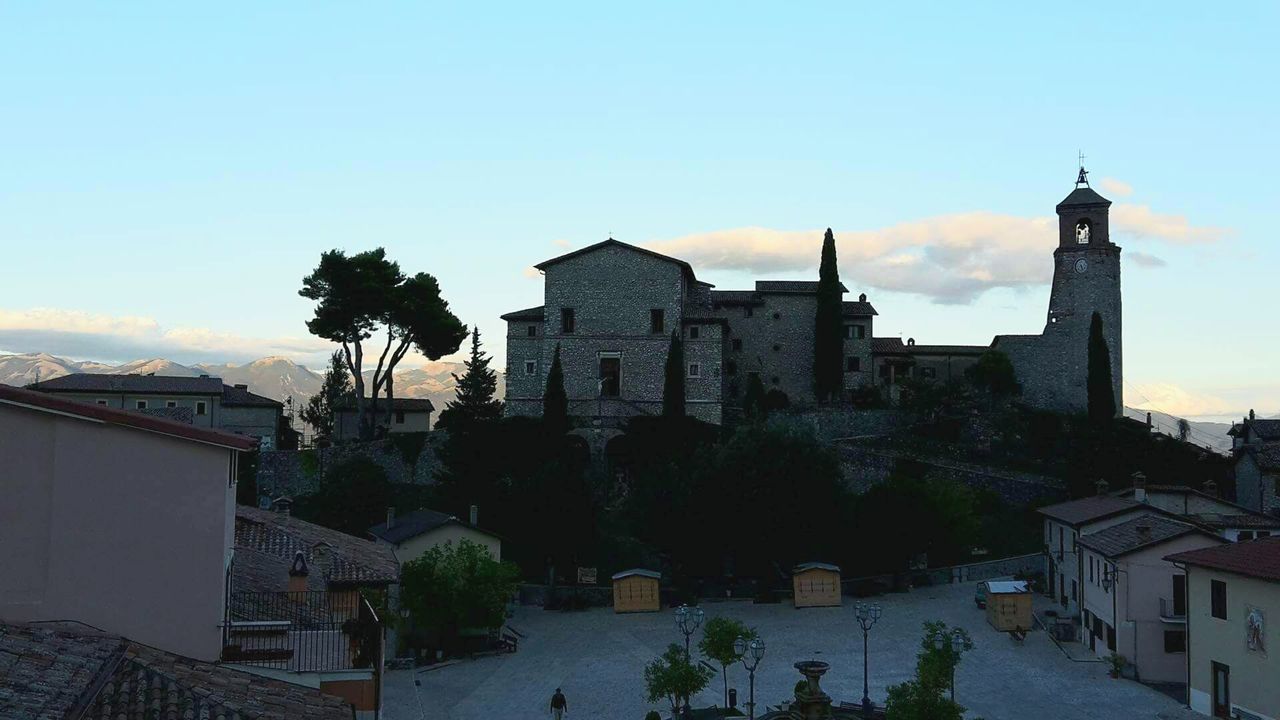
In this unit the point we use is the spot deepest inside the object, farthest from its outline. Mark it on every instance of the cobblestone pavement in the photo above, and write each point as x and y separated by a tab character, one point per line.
598	657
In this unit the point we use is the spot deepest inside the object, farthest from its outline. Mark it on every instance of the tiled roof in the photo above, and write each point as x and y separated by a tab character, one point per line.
139	384
534	313
1255	558
413	524
406	404
857	308
1083	196
236	396
1266	429
947	349
736	297
684	266
123	418
804	287
1268	457
1235	520
1232	515
334	556
1076	512
61	670
1129	536
183	415
888	345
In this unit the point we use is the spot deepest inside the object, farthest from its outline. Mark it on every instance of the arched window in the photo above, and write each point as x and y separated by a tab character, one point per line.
1083	230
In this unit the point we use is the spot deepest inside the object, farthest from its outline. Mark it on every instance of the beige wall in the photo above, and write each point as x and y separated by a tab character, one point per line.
414	547
346	424
129	401
128	531
1253	674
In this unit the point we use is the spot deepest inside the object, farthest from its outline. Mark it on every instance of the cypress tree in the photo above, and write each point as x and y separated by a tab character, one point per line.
1102	399
828	343
753	404
673	378
474	401
555	401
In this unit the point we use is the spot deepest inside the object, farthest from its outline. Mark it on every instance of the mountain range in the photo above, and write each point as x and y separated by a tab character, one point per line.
274	377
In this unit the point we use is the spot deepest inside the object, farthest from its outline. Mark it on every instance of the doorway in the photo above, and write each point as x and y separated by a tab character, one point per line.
1221	690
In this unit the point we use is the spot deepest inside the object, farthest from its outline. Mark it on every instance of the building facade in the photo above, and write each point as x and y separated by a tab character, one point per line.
611	308
408	415
1255	445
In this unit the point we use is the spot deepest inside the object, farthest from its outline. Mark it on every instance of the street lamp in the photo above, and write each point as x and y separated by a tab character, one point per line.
867	616
753	649
688	620
956	641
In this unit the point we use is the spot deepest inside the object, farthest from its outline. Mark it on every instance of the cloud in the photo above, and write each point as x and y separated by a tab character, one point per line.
1144	260
108	338
1174	400
951	259
532	273
562	243
1118	188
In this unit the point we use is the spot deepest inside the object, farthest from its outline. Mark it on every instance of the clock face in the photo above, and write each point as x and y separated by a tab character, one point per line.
1082	265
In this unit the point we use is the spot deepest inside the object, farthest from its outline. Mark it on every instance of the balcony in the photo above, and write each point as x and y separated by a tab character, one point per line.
303	632
1171	613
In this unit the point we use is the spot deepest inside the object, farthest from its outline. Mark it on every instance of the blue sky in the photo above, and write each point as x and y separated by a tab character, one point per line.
174	170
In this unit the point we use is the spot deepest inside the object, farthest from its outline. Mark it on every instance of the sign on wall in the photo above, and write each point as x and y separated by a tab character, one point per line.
1255	629
586	576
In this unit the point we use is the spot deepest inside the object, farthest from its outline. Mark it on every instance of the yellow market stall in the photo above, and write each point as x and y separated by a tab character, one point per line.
1008	605
816	585
636	590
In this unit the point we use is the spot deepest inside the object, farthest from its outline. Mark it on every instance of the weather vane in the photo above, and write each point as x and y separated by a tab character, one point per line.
1083	177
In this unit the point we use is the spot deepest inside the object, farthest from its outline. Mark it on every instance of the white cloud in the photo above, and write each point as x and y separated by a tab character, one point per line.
1118	188
1174	400
532	273
562	243
952	259
1144	260
103	337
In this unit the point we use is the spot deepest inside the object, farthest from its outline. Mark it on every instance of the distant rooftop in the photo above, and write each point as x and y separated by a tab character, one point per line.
341	558
799	287
405	404
413	524
1255	558
165	384
1077	512
1137	534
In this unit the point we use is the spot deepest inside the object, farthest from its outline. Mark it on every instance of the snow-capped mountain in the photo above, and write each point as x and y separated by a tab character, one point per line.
274	377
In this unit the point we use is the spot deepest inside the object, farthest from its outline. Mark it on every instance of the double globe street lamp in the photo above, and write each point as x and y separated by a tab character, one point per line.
752	650
688	620
957	642
867	616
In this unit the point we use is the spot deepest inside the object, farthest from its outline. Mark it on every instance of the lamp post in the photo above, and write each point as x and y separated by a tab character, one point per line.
867	616
753	649
688	620
956	643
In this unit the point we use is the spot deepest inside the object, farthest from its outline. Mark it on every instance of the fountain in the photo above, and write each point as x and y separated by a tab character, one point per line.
811	703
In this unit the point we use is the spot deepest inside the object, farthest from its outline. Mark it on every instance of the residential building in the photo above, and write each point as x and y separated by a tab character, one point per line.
1232	667
611	309
407	415
1256	448
116	519
67	670
202	401
1133	601
414	533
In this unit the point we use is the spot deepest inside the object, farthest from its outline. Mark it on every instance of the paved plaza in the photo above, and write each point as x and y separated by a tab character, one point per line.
598	658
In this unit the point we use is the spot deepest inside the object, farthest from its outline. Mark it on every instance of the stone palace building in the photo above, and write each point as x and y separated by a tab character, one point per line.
611	308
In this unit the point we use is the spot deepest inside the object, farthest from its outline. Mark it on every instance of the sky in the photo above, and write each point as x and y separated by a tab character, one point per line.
173	170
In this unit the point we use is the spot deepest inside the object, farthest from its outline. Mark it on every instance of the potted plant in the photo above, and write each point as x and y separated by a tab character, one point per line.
1116	662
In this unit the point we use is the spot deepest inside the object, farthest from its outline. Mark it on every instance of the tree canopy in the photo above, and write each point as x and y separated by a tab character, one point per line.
555	401
1102	398
828	337
334	389
718	637
673	378
450	587
672	677
474	399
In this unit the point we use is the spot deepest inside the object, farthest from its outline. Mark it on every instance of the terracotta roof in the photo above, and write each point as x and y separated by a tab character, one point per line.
413	524
140	384
123	418
684	266
406	404
1128	536
888	345
236	396
62	670
802	287
857	308
534	313
1255	558
1077	512
184	415
334	556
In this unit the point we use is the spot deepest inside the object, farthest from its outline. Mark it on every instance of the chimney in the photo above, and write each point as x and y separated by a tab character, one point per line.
911	342
475	515
240	386
391	517
862	297
1139	487
1148	420
1211	487
1144	533
1101	487
298	573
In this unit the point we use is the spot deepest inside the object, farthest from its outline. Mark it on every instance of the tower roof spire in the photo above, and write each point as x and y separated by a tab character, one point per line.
1083	177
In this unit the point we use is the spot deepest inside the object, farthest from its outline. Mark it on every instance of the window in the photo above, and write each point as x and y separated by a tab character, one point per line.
695	370
102	402
748	311
1244	535
657	320
777	348
530	367
774	379
1218	599
1175	641
731	368
737	344
171	403
855	332
1090	568
533	331
610	375
1075	591
399	417
1111	638
141	404
852	364
693	332
567	322
202	408
777	316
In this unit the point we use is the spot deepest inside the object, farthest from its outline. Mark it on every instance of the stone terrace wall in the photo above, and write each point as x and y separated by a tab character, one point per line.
298	472
865	467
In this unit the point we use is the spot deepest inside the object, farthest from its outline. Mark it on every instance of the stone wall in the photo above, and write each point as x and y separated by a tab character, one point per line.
292	473
865	467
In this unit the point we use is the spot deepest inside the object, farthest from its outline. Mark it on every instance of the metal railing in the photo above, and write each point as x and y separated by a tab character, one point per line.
307	631
1169	611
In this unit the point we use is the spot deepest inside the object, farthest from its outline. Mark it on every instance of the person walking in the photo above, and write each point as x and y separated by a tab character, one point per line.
559	706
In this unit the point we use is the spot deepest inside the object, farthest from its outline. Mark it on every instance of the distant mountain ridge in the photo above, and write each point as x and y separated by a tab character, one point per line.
274	377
